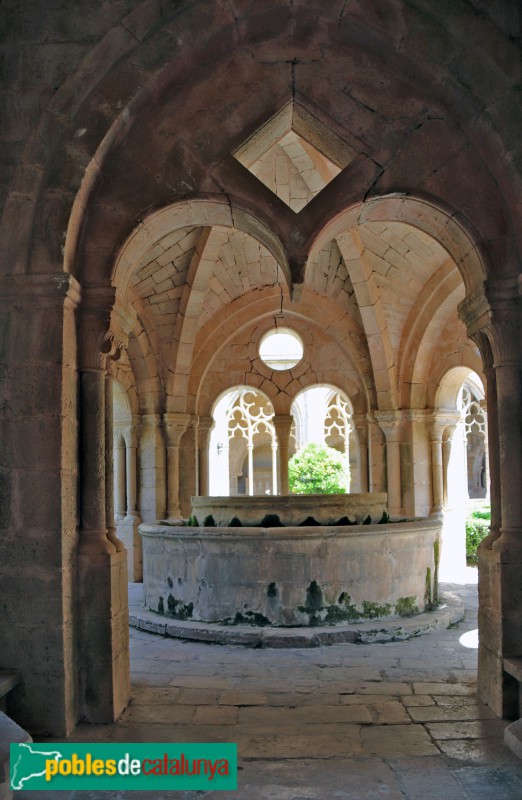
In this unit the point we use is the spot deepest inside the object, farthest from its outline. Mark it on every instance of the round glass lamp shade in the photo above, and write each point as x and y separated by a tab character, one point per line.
281	349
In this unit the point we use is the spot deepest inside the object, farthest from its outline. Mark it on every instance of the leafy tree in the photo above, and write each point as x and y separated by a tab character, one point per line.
317	469
477	528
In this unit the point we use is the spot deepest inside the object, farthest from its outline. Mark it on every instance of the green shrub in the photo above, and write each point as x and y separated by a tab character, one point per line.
317	469
477	528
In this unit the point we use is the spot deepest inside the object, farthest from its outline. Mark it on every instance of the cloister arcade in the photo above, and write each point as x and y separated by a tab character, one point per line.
175	192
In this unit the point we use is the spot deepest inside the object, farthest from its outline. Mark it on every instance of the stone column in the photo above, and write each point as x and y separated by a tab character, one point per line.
129	528
504	640
441	426
390	423
361	428
131	445
492	316
102	630
484	408
175	426
436	469
447	438
39	498
250	449
493	453
282	425
153	468
109	468
274	467
119	476
205	425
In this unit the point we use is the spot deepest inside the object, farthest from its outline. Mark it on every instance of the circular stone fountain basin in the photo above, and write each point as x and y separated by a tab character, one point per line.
292	509
291	576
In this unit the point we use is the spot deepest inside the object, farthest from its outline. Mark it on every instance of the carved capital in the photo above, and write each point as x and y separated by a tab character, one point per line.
493	309
441	425
390	423
95	343
360	423
175	424
282	424
204	426
132	431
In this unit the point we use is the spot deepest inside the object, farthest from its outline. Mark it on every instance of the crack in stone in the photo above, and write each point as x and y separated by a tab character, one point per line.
341	15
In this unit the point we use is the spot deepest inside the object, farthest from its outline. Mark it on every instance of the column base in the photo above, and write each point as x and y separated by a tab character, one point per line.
95	541
500	628
113	539
513	737
103	636
127	532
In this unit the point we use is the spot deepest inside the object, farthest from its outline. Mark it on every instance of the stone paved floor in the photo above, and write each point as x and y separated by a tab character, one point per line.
395	721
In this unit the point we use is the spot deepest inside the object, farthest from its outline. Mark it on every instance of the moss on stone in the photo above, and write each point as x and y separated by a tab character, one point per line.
248	618
406	607
374	610
314	597
178	609
350	610
428	597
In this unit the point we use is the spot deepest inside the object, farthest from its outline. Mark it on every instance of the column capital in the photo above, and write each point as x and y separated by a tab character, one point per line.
283	422
176	423
132	432
98	344
205	423
204	426
390	423
439	421
493	309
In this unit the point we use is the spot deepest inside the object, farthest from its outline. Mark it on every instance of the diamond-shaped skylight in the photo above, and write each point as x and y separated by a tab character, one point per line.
295	155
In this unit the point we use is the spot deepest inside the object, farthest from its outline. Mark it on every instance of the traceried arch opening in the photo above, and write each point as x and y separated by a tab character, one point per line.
324	415
460	403
243	445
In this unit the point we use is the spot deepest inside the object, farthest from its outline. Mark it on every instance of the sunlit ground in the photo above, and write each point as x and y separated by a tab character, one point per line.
470	639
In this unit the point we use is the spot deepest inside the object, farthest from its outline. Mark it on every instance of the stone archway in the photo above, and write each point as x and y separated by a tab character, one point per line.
128	130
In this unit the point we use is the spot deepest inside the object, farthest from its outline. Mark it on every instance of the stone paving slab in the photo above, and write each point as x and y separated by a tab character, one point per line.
481	729
391	721
427	779
397	740
490	783
301	745
479	751
456	712
389	712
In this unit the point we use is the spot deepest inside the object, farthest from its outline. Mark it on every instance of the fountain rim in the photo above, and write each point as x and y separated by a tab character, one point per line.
392	528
